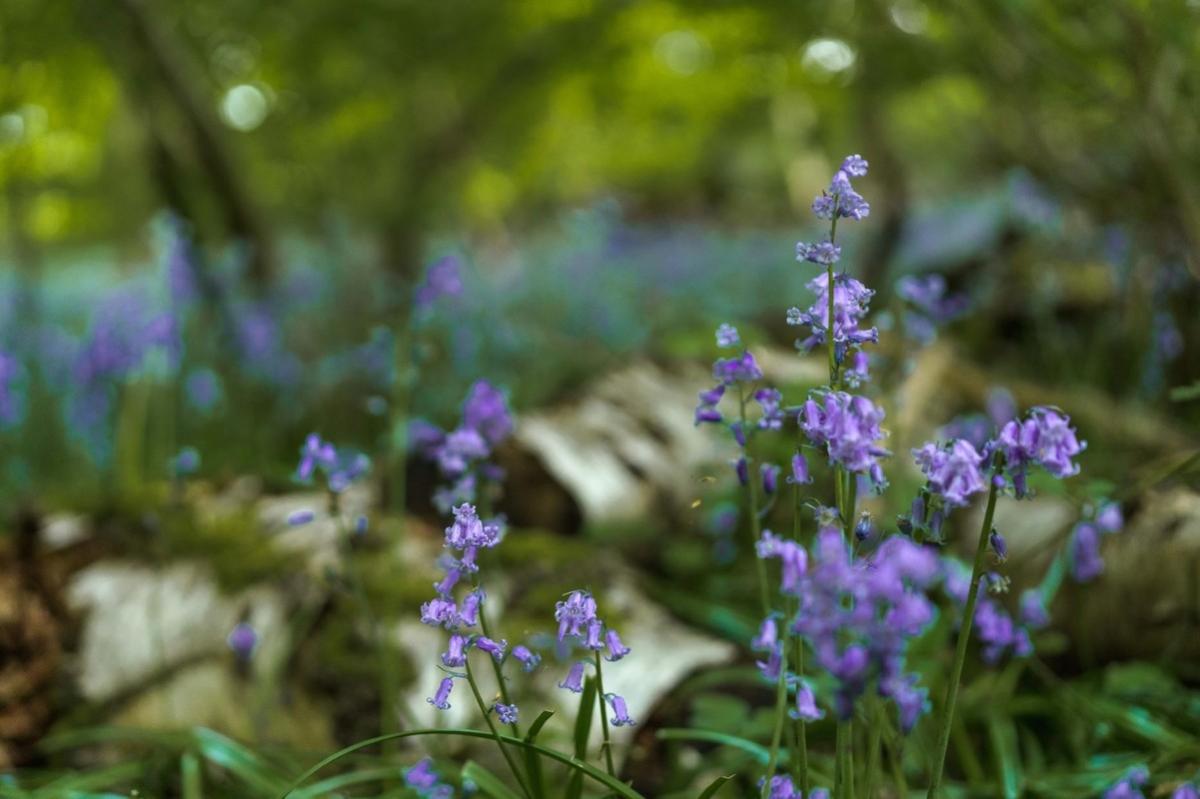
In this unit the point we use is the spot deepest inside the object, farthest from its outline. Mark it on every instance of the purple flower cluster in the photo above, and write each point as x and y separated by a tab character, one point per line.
1044	438
341	467
464	538
1083	549
1130	785
857	615
12	392
782	787
848	427
851	302
931	305
462	455
425	781
443	279
954	471
840	199
998	632
579	624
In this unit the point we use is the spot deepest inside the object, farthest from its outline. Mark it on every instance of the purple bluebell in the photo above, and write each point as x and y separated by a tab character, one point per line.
999	546
770	400
864	528
461	448
506	713
848	427
806	703
574	613
242	640
738	369
455	656
1109	518
1034	614
932	305
442	280
486	412
203	391
822	252
616	649
440	613
298	518
769	473
186	462
954	471
593	640
469	614
727	336
768	636
441	697
620	711
526	657
1045	438
840	199
742	470
800	474
361	524
851	302
421	775
573	682
1084	550
1130	785
1188	790
315	454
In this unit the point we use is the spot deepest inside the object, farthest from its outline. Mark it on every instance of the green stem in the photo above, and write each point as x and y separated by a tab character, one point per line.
960	652
833	364
781	693
874	747
764	594
608	759
497	669
800	730
487	717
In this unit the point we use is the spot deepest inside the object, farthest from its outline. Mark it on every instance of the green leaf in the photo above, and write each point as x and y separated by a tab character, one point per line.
583	721
537	725
488	782
714	786
616	786
574	786
533	761
239	760
331	785
756	750
1003	734
190	777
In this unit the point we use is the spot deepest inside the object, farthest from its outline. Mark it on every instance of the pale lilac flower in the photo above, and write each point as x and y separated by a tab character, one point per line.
1109	518
1086	562
594	630
298	518
242	641
768	636
442	280
822	252
738	369
486	412
770	400
727	336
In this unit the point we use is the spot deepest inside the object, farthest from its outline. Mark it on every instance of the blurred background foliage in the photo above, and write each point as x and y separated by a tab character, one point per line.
616	178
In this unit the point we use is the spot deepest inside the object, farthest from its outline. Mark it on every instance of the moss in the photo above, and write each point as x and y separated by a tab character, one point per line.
232	543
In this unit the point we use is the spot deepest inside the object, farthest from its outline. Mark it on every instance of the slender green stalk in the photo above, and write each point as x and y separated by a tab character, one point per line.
781	693
608	758
800	729
833	364
874	749
497	669
487	716
896	758
764	592
960	652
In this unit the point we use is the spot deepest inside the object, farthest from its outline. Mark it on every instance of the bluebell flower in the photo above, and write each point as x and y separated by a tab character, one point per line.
300	517
574	680
727	336
506	713
441	697
621	716
616	649
953	470
442	280
527	658
1130	785
574	613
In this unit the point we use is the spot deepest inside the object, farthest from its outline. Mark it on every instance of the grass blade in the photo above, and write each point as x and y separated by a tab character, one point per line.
488	782
714	786
583	721
756	750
